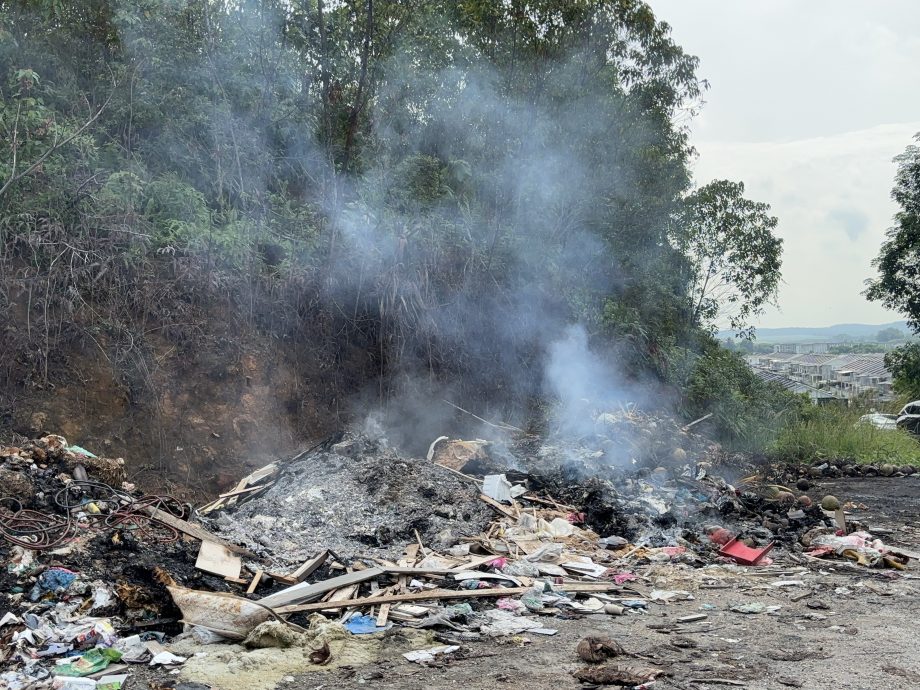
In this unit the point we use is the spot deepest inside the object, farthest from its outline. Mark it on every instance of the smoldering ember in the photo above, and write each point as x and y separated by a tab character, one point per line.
377	343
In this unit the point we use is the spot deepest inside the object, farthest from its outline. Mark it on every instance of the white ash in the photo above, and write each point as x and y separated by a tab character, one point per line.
359	499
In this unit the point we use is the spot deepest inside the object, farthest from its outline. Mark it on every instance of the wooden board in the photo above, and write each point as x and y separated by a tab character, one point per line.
305	592
383	615
218	559
498	506
193	530
310	567
435	594
255	582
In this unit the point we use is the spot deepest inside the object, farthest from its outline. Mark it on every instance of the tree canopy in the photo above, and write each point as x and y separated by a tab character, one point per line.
733	255
898	283
443	186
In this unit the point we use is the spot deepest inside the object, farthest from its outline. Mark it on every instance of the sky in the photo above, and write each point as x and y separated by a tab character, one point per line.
808	104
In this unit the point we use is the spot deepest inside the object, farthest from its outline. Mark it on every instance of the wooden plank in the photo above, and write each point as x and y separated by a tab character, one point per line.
475	562
305	592
443	594
344	594
193	530
498	506
255	582
310	567
283	579
249	489
218	559
383	615
408	570
558	506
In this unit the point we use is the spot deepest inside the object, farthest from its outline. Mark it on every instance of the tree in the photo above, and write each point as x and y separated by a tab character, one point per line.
733	256
898	261
886	335
904	364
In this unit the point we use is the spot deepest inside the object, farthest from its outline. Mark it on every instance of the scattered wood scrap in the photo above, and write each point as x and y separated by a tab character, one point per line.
193	530
219	560
435	594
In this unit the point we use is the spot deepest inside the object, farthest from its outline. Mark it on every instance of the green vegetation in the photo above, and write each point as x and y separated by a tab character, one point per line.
904	364
429	190
832	433
395	192
886	335
898	283
734	255
855	349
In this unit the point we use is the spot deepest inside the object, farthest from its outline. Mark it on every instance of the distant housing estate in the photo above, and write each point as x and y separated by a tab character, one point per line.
805	348
826	377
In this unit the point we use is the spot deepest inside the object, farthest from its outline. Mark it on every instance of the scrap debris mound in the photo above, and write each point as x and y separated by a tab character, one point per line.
358	497
478	540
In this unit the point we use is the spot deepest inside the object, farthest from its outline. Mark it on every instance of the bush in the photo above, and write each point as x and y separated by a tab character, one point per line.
832	433
747	413
904	364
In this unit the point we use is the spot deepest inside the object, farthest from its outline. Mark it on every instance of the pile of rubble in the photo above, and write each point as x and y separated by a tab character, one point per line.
355	498
350	541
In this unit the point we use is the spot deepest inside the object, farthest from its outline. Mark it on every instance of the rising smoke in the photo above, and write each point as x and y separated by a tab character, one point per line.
471	243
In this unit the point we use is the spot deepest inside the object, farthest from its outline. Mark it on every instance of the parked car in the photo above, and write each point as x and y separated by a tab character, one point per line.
909	417
879	420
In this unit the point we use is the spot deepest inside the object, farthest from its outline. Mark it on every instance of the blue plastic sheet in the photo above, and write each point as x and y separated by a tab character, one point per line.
364	625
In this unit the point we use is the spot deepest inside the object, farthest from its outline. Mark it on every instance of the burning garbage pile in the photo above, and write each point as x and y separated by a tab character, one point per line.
351	541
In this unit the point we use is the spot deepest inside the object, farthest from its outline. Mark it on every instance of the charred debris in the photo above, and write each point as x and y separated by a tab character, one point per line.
477	540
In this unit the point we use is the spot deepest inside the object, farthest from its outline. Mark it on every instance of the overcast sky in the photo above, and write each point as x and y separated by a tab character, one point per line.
809	102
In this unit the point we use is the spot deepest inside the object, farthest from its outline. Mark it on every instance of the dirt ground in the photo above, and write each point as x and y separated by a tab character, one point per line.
837	626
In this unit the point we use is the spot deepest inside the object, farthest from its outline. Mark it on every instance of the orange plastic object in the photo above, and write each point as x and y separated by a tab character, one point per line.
744	554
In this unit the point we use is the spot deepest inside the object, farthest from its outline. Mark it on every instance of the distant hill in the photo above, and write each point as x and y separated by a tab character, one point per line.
819	334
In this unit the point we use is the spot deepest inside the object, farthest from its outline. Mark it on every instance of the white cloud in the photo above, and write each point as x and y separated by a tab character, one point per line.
822	190
801	108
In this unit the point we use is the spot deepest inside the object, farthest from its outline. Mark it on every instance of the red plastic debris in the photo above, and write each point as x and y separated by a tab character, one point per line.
744	554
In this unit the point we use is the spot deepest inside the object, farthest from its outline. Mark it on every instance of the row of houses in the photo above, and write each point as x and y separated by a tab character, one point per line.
826	376
804	348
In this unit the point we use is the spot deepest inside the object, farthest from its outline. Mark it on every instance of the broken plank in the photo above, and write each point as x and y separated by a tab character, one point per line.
498	506
475	562
304	592
255	582
282	579
310	567
383	615
547	502
410	570
344	594
441	594
192	529
247	490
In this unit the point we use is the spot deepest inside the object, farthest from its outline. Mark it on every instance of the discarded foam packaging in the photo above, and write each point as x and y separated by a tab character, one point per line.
497	487
166	659
670	595
421	656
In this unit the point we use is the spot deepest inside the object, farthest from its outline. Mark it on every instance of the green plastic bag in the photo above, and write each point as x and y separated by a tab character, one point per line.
90	662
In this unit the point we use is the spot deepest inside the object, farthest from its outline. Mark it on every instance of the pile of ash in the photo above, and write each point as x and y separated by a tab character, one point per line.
358	497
